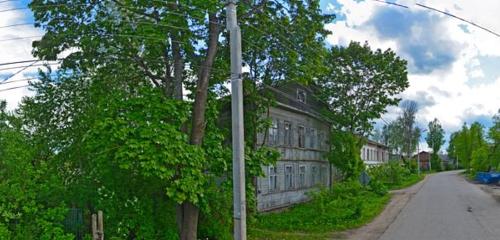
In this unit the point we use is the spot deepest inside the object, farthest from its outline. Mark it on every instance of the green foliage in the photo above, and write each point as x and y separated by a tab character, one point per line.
359	83
494	136
389	174
436	162
344	153
346	205
401	135
479	159
465	142
30	207
435	136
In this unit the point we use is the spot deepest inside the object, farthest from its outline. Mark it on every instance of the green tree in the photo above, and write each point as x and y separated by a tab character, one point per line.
345	153
469	145
120	48
358	84
479	159
494	137
435	139
401	135
30	203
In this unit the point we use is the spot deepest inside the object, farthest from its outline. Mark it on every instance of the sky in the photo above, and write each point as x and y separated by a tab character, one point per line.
454	67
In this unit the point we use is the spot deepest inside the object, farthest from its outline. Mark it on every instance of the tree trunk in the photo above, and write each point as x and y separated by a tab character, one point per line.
188	212
178	68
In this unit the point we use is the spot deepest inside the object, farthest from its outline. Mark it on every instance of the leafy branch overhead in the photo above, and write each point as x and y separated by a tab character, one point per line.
359	84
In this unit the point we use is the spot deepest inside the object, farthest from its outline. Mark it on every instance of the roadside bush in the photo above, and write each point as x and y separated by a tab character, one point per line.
346	205
389	174
377	187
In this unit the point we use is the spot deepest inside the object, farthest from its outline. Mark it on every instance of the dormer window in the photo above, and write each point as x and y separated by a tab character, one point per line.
301	95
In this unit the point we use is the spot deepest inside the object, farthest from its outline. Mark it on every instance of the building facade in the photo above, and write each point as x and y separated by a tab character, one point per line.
300	134
425	160
374	153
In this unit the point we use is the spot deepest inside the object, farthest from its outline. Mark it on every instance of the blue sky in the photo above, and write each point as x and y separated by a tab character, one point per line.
454	68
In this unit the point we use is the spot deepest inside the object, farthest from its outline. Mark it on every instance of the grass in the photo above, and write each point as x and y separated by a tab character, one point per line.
407	182
347	206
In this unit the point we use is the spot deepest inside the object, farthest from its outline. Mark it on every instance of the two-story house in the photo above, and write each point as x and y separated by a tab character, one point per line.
300	134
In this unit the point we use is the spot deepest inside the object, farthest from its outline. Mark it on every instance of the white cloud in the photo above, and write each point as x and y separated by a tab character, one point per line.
455	100
15	50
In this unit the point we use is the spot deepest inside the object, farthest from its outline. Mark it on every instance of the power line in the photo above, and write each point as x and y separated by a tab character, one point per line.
442	12
459	18
391	3
9	1
26	61
20	70
12	88
18	80
35	65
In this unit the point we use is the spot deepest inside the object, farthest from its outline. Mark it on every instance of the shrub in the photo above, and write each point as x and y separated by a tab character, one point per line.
346	205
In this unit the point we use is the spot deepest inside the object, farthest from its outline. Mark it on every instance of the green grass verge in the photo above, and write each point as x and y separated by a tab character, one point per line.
407	182
344	207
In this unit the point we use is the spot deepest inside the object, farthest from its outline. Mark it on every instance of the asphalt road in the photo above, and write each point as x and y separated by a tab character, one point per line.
447	208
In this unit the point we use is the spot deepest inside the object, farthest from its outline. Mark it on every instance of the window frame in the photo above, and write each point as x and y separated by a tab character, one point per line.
313	138
301	92
274	131
273	177
314	172
301	143
302	176
287	133
289	183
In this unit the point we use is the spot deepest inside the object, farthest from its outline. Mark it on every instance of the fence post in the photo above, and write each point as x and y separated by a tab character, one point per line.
94	227
97	226
100	225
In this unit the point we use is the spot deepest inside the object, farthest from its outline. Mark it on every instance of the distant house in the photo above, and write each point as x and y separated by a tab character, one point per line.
300	133
374	153
425	160
446	161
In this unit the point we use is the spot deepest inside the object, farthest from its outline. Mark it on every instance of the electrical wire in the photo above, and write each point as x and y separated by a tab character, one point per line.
12	88
442	12
14	74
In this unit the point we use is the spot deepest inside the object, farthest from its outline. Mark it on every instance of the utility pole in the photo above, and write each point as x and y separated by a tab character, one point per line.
239	201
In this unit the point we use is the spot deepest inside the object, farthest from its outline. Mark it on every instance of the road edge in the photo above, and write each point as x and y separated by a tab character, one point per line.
399	199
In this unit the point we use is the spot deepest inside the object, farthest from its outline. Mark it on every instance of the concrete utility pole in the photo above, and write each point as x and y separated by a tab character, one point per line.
239	201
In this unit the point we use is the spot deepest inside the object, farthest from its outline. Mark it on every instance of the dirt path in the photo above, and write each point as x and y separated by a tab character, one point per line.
377	227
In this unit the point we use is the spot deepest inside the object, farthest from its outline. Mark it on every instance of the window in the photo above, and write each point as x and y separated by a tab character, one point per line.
301	95
312	138
287	133
314	175
273	133
320	140
322	175
273	179
302	176
288	177
302	136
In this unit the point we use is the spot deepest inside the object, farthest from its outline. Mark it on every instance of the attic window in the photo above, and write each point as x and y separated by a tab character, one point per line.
301	95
